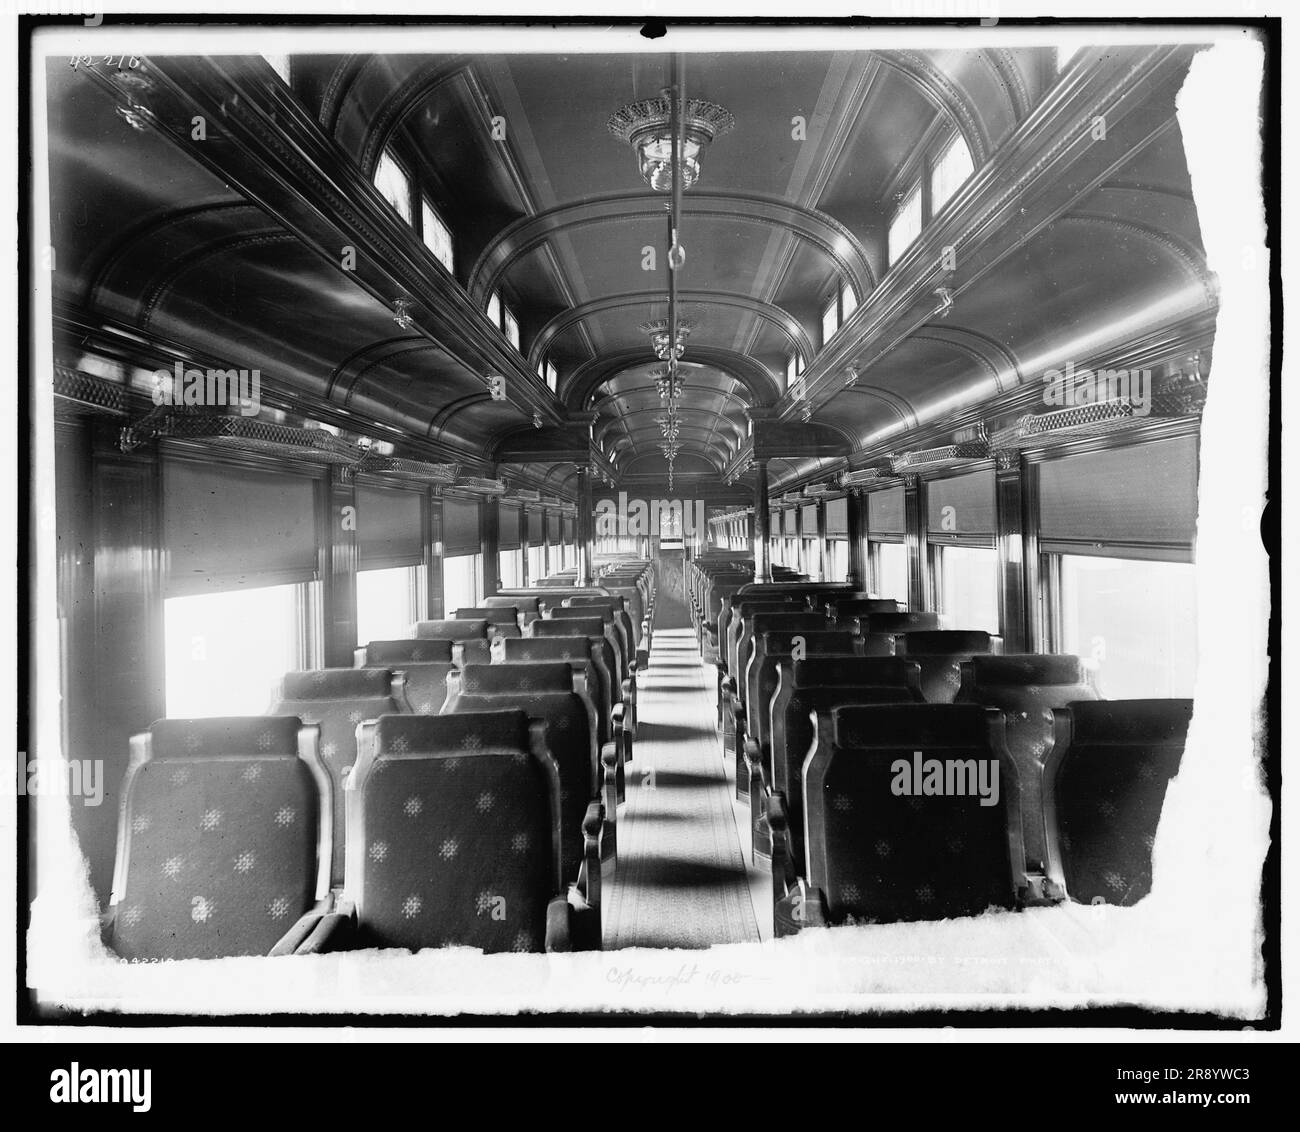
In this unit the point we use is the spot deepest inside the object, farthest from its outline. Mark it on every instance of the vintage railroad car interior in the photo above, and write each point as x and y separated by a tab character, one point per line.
544	501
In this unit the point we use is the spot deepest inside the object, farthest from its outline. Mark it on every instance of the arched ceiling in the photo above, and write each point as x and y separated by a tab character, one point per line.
547	209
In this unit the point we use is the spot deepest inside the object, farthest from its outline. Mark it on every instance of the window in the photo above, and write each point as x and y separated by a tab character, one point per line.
227	651
837	560
388	603
280	64
393	184
511	327
437	236
967	581
536	562
494	309
1134	620
949	172
460	582
791	369
848	302
552	376
890	569
510	567
830	319
905	225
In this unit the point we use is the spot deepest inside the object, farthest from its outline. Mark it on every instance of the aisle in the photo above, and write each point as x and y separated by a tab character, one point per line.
681	878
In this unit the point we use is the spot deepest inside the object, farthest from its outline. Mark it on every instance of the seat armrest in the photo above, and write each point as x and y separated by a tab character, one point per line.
609	760
778	822
559	925
289	943
333	932
593	824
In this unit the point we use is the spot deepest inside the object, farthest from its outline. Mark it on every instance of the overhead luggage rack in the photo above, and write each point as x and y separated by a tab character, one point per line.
925	459
414	469
1115	415
245	434
866	477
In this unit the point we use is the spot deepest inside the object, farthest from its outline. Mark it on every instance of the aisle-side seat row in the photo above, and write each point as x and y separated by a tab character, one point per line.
572	674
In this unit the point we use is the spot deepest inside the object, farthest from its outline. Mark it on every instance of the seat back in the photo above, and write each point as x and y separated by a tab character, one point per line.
336	700
736	613
454	832
223	840
424	664
593	630
1026	687
941	654
900	622
610	627
502	620
545	692
906	812
790	729
862	606
1104	787
574	651
805	621
760	677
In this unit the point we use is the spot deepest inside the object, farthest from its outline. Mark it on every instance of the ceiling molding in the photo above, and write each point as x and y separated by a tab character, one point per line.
773	315
582	383
821	231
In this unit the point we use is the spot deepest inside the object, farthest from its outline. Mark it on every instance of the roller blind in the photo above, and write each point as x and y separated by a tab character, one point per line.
535	523
885	514
837	518
459	528
1140	496
226	527
570	535
791	522
553	527
810	521
773	524
388	528
508	527
961	505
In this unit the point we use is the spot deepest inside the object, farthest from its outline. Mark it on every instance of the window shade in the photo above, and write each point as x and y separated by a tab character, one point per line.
459	528
570	534
962	505
1140	495
791	522
535	523
209	513
508	527
553	527
885	513
810	521
388	528
837	518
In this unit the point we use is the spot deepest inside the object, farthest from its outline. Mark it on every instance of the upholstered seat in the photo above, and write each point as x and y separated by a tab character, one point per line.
1025	688
454	833
940	654
224	841
587	774
1104	788
337	699
881	846
424	664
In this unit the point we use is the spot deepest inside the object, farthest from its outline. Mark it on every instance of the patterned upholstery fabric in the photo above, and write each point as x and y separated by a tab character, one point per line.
397	654
1026	687
740	614
338	699
878	856
941	655
455	823
566	626
1109	784
760	623
900	622
585	615
221	828
565	629
450	630
426	686
570	735
492	614
578	651
792	736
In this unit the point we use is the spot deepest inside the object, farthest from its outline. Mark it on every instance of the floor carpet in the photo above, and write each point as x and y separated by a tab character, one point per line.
681	879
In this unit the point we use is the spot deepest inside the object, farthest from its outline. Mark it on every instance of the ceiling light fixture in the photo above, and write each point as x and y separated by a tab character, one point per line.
646	127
